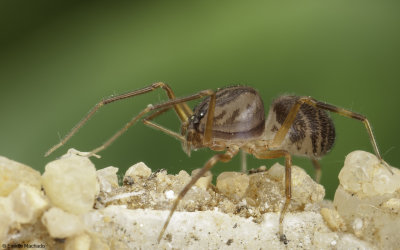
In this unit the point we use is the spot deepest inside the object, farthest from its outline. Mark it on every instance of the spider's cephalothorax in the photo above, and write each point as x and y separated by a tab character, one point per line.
238	116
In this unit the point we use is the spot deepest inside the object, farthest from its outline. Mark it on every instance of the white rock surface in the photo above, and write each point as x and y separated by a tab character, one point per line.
71	183
243	214
364	175
107	178
233	184
23	205
204	181
26	204
79	242
368	200
333	219
137	172
5	218
139	229
13	173
61	224
304	189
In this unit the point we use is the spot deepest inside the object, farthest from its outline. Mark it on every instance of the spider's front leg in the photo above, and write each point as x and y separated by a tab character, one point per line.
162	107
182	109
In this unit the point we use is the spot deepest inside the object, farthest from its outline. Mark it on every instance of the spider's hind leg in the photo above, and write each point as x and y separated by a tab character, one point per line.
318	170
297	107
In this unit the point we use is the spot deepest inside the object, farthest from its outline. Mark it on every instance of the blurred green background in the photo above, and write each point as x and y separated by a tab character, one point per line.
58	59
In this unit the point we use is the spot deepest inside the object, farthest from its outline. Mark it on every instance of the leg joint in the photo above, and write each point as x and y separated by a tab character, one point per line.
159	84
206	92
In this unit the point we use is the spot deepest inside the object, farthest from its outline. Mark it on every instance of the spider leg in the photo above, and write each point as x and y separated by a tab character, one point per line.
210	117
283	130
182	109
148	122
243	161
163	106
225	157
272	154
318	171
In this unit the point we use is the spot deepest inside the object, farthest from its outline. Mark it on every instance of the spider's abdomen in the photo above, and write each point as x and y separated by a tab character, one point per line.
312	133
239	114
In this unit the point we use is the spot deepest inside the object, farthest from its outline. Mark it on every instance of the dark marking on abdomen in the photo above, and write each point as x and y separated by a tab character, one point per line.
310	122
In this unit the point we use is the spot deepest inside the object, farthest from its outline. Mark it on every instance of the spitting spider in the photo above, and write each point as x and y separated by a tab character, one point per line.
231	119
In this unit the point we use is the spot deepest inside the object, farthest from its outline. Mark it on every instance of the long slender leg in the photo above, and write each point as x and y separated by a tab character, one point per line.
318	172
283	130
149	123
243	161
272	154
225	157
121	131
168	104
182	109
185	144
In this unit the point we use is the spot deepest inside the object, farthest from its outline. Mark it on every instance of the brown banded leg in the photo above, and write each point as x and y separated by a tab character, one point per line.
272	154
163	107
182	109
225	157
318	172
283	130
166	106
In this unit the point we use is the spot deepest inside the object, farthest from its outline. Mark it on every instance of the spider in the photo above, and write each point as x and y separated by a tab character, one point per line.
231	119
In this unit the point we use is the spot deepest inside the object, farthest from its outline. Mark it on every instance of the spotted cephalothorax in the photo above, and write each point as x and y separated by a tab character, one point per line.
233	119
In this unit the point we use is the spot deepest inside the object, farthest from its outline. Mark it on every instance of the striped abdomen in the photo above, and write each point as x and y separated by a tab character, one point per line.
312	133
239	114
